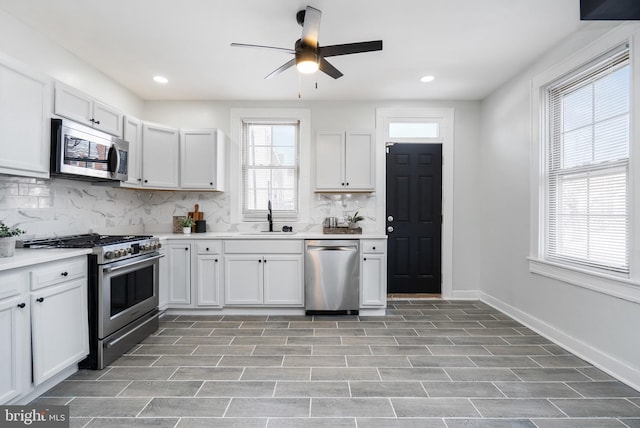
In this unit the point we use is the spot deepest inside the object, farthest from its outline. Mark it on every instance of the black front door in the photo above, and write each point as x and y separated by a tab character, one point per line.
414	212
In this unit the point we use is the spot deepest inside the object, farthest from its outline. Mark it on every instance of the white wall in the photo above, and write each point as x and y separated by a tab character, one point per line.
32	48
598	327
361	115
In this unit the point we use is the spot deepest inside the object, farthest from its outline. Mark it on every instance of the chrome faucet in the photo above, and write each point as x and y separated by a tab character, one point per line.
270	216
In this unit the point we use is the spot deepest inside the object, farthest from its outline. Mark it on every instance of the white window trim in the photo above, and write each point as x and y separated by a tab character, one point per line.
238	116
626	287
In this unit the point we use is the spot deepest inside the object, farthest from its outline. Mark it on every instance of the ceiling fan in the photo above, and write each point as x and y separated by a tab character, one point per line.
309	55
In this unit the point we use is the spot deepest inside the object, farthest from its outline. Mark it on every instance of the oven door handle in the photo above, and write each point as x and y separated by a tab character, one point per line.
128	265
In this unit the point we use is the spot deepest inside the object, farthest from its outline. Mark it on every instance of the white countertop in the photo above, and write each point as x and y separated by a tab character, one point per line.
267	235
26	256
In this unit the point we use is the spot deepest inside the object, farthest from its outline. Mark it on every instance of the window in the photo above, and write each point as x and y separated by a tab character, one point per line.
587	166
270	168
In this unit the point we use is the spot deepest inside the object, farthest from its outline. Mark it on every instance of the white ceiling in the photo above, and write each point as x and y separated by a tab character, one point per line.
470	46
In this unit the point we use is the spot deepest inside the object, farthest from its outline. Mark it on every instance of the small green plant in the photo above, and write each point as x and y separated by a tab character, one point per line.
356	217
187	222
6	231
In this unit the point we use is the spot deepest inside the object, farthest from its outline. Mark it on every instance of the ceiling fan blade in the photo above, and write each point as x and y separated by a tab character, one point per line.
244	45
350	48
329	69
311	26
282	68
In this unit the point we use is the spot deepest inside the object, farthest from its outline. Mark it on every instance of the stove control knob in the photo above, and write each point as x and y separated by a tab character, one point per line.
109	255
146	247
118	253
129	250
159	245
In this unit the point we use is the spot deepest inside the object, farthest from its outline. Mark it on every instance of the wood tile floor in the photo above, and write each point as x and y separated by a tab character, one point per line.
427	363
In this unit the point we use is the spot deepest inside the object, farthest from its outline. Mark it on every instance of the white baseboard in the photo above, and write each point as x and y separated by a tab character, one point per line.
605	362
465	295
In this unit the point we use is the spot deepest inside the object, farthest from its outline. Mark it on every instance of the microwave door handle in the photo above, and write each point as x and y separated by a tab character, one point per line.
114	158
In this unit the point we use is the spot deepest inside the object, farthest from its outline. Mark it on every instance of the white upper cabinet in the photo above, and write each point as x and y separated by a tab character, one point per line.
160	156
202	155
25	108
132	132
77	106
345	161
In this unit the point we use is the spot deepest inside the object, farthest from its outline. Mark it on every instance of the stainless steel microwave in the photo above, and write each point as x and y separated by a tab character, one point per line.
81	152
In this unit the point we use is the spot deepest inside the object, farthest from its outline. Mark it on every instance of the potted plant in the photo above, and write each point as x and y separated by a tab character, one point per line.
354	219
186	224
8	239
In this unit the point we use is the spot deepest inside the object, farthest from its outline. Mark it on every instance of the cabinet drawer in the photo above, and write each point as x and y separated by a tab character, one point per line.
11	283
57	272
263	246
209	247
373	246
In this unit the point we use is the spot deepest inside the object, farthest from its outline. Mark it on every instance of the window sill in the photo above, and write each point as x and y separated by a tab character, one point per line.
621	288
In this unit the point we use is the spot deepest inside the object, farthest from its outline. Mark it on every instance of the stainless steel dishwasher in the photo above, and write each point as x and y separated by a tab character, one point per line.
332	275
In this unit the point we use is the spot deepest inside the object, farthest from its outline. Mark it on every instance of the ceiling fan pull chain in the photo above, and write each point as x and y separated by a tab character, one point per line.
299	90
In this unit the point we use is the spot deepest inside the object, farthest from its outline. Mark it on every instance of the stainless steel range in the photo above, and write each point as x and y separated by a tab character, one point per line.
123	290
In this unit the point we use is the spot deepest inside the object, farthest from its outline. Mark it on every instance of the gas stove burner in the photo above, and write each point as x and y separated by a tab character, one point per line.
87	240
106	248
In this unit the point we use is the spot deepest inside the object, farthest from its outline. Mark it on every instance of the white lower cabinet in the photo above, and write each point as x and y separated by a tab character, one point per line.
208	273
59	328
43	324
179	273
15	352
271	277
373	286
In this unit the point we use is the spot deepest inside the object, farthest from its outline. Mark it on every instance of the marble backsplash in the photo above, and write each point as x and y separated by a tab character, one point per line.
62	207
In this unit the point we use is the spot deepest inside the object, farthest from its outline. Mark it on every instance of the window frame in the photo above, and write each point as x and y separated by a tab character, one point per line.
268	115
623	286
260	214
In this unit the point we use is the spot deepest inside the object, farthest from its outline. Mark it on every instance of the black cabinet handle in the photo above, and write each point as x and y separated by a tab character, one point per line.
365	259
146	181
374	248
186	248
347	183
265	260
259	261
22	305
97	122
40	299
342	184
216	260
207	248
211	183
64	273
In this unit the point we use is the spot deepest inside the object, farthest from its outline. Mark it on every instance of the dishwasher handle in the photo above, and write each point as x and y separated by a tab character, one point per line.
332	248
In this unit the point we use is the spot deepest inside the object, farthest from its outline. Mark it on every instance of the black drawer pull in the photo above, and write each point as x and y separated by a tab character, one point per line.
22	305
64	273
216	260
40	299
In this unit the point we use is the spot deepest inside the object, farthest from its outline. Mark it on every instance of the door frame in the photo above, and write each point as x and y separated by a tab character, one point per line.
445	117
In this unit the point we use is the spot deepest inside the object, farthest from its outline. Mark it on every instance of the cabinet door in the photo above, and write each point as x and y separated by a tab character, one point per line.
330	161
160	154
373	287
243	280
14	336
73	104
179	267
283	280
359	160
107	119
60	335
24	121
198	158
132	132
208	280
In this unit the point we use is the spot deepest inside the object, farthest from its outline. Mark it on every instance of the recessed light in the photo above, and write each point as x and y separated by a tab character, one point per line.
160	79
425	79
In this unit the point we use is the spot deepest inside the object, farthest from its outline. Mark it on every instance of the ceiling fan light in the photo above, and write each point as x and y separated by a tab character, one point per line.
307	62
307	67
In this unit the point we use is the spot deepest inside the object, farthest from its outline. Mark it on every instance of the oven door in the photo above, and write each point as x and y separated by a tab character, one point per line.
127	290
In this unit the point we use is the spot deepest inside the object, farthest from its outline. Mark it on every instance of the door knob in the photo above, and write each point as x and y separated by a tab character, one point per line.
390	229
390	218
